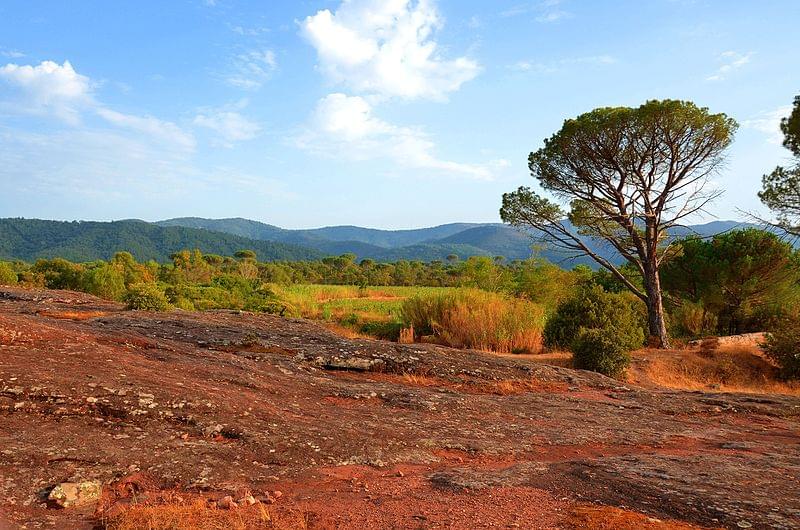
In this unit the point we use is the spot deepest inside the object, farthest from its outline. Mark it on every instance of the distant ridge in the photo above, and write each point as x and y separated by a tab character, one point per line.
29	239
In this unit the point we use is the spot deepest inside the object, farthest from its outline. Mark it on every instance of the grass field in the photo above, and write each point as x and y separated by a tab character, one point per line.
348	303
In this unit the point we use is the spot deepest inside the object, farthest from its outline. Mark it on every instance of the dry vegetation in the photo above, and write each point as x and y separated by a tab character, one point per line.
200	515
732	368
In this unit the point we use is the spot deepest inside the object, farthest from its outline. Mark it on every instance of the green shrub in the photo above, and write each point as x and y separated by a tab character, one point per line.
592	307
782	346
146	297
7	274
104	281
382	330
59	273
600	350
693	320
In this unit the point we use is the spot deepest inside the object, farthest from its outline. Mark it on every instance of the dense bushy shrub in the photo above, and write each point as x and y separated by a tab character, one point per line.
58	273
782	345
471	318
105	281
592	307
693	320
600	350
7	274
146	297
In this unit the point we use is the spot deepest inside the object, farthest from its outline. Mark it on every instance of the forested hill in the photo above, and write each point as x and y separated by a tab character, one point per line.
29	239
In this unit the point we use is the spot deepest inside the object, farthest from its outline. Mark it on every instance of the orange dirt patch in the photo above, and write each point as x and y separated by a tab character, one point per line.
73	315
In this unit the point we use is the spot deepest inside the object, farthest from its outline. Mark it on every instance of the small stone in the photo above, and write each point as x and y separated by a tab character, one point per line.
247	500
91	400
72	494
277	494
744	524
227	503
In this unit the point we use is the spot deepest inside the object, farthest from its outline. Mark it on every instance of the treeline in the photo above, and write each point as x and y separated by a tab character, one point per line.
735	282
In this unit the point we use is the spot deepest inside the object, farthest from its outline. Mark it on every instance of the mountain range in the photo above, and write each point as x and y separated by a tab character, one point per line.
29	239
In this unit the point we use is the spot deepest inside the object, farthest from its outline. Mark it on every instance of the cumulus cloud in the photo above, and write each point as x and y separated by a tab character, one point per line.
731	61
386	49
50	87
251	70
228	123
345	125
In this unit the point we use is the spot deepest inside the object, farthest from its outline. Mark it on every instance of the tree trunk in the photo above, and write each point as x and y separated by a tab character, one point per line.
657	326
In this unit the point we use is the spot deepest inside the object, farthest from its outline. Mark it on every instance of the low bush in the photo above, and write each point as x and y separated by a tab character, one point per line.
782	346
146	297
592	307
470	318
7	274
600	350
693	320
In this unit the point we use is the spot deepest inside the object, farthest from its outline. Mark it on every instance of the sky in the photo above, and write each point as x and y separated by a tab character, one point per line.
381	113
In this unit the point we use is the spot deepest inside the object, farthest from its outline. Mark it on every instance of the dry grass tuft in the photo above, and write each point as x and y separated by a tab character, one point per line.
479	320
198	515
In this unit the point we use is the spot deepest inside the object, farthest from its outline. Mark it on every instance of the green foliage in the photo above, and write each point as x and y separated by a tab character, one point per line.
600	350
104	280
782	345
146	297
592	307
734	278
7	274
693	320
58	273
790	126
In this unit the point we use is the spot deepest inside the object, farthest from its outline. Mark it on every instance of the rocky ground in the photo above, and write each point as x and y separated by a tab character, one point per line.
358	433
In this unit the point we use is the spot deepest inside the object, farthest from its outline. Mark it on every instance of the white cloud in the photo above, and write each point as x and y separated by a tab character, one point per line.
12	54
731	61
229	124
556	66
386	49
769	123
251	70
346	126
50	87
150	126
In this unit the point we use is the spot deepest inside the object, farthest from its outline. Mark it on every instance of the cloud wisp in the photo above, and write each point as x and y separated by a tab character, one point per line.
346	126
732	61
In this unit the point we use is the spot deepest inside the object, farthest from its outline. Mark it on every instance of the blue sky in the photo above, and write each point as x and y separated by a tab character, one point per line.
391	114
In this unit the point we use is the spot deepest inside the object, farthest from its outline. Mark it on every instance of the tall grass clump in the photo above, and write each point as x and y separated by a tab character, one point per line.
471	318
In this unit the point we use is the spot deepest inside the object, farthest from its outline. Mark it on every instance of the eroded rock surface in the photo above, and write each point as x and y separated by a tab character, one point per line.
359	433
